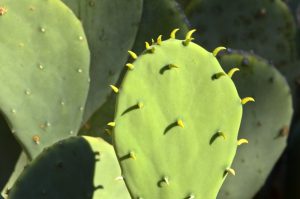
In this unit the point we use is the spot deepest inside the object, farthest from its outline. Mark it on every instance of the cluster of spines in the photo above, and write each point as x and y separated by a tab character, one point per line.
179	122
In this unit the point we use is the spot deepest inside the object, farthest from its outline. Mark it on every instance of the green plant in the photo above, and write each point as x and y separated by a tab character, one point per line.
40	62
264	26
157	129
175	119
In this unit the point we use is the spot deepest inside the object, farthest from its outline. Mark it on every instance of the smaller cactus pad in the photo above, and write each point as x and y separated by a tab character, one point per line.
177	120
265	26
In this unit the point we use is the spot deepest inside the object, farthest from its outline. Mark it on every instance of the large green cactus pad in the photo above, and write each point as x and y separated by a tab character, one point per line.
174	110
111	27
78	167
265	26
44	71
264	125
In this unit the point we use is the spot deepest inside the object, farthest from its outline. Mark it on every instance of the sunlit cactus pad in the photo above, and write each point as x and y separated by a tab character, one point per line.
40	62
177	121
77	168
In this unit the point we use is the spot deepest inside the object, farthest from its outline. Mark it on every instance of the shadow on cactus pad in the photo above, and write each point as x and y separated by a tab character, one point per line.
77	168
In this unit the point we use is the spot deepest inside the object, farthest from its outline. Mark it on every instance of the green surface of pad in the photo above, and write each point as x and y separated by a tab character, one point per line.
44	71
174	110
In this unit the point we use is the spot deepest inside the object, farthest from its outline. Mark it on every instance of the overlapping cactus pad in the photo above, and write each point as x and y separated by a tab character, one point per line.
44	71
177	119
78	167
265	26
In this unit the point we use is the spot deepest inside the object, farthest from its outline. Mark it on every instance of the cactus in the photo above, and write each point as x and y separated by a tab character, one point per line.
78	167
173	112
265	126
41	61
265	26
111	27
177	119
162	21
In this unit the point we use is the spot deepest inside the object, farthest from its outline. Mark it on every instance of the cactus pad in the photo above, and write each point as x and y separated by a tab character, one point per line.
264	125
78	167
44	71
177	120
265	26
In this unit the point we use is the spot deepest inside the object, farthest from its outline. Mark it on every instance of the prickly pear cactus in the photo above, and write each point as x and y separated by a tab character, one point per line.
265	26
111	27
264	125
78	167
169	135
41	60
168	16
